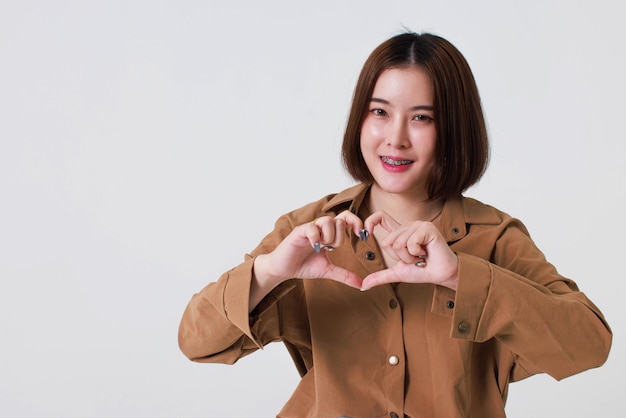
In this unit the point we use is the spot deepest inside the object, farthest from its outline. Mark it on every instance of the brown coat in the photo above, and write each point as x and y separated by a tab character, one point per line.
407	349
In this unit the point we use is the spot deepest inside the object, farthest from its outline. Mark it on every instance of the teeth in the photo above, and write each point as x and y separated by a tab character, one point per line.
394	162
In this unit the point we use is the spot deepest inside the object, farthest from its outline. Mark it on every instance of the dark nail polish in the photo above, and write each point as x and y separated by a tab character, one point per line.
364	234
316	247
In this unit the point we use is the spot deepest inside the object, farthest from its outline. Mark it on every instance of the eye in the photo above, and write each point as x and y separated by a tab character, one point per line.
378	112
422	118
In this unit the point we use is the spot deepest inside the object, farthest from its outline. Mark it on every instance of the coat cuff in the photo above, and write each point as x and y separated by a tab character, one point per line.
237	297
471	296
237	300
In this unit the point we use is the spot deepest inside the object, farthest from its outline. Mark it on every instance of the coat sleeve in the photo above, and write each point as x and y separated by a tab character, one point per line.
216	326
519	299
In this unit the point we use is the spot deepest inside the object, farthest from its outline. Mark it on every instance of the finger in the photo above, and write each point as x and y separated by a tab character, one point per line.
399	254
421	238
411	241
421	261
400	234
332	235
339	232
332	231
326	233
313	235
355	223
395	245
402	254
332	238
326	225
383	219
416	249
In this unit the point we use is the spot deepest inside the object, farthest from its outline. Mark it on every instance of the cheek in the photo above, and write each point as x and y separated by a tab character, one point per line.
370	133
431	153
367	144
433	142
425	138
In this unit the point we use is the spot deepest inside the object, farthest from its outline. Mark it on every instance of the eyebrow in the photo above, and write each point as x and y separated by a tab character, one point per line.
418	107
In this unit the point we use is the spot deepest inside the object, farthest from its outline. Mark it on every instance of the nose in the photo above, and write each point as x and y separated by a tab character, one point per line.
398	135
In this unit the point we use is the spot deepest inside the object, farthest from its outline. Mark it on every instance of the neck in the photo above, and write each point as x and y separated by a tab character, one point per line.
404	208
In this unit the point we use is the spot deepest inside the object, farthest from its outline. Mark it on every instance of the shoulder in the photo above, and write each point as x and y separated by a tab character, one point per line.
462	214
466	210
478	212
330	204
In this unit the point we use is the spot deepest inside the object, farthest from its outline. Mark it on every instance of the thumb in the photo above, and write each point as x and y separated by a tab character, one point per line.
380	277
344	276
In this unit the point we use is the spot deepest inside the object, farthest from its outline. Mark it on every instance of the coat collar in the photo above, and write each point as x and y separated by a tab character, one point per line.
458	212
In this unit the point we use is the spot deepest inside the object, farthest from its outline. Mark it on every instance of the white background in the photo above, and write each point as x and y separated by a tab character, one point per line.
145	146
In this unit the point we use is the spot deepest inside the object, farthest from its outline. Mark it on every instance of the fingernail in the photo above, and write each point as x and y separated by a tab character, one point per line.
364	234
316	247
328	248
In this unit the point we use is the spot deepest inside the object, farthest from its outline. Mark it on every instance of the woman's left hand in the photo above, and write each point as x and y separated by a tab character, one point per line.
421	253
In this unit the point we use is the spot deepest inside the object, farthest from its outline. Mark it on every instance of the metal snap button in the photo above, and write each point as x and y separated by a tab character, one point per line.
464	327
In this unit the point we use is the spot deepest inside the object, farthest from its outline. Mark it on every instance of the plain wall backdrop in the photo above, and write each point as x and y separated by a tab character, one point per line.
145	146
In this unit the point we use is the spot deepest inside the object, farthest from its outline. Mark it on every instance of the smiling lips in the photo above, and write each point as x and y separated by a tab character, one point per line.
395	163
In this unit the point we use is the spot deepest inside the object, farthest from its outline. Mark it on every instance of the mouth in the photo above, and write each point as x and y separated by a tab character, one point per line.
395	163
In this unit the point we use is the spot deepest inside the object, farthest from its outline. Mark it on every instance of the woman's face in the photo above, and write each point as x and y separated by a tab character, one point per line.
398	134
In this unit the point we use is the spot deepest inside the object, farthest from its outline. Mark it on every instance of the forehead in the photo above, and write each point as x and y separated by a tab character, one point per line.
405	83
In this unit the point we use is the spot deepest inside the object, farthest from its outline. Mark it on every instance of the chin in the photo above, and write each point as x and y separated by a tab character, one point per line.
396	188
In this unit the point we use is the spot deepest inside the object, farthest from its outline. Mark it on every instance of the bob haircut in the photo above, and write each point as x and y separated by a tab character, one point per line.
462	148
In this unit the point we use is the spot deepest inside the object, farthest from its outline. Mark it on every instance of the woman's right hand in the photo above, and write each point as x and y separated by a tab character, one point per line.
302	255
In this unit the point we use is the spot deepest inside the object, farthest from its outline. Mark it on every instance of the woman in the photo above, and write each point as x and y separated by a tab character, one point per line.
448	303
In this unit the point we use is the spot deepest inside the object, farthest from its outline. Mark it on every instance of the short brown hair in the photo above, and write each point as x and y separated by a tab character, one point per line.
462	148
